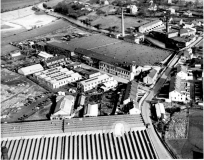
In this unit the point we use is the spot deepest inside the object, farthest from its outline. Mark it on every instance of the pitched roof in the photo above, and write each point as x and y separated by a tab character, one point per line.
152	73
177	84
181	68
186	30
51	59
131	91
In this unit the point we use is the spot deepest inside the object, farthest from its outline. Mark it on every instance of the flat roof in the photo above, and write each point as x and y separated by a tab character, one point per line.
114	50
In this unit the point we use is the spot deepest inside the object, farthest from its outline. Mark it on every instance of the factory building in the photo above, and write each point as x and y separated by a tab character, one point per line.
91	83
30	69
87	73
151	26
79	138
57	77
64	108
55	61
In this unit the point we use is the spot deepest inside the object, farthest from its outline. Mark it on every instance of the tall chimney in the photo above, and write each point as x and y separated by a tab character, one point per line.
122	24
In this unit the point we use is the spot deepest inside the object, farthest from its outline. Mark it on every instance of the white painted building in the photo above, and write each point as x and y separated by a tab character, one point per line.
109	85
57	77
91	83
63	108
30	69
151	26
151	77
91	110
133	9
160	110
44	55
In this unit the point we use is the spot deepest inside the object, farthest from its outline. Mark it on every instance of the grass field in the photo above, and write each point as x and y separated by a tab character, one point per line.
6	48
12	5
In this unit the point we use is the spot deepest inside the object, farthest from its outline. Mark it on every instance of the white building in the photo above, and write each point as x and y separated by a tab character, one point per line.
44	55
104	2
64	107
57	77
91	83
109	85
160	110
133	9
182	72
14	55
179	90
30	69
91	110
151	26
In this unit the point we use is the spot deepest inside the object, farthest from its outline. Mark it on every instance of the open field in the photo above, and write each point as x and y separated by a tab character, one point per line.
11	4
186	148
6	48
34	20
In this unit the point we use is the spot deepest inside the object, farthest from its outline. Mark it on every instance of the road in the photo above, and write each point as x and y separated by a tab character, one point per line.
161	151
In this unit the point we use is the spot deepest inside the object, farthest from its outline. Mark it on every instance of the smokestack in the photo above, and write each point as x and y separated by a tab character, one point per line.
122	25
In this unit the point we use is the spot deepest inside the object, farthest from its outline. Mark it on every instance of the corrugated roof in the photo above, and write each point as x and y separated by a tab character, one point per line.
131	145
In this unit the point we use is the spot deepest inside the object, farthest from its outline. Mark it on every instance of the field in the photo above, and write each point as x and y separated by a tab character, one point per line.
4	26
6	48
15	89
186	148
11	4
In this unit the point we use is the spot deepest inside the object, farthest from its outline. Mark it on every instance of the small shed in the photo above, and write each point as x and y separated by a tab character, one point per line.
91	110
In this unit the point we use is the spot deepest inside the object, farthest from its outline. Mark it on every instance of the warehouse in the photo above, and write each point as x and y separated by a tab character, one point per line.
57	77
30	69
91	83
79	138
151	26
64	108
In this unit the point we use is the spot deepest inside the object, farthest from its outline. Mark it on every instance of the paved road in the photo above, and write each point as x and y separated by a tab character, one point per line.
161	151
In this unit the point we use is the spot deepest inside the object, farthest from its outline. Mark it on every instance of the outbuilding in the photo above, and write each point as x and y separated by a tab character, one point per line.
30	69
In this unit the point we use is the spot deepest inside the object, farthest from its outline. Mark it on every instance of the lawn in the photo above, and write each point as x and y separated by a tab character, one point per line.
12	5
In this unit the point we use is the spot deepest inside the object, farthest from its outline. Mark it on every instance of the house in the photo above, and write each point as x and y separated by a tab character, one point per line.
132	9
187	32
151	77
30	69
179	90
188	13
104	2
55	61
64	108
91	83
16	55
91	110
183	73
44	55
160	110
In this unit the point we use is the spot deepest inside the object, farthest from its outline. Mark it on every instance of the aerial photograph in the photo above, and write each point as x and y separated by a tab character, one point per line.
101	79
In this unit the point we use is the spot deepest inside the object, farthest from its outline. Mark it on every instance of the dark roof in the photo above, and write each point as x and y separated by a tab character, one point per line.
51	59
183	39
177	84
85	71
131	91
112	50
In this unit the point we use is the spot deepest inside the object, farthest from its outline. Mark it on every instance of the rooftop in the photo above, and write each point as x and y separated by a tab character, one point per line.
131	91
177	84
152	73
114	51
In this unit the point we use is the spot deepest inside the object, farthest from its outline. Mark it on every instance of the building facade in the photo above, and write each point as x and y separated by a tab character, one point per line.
91	83
56	61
